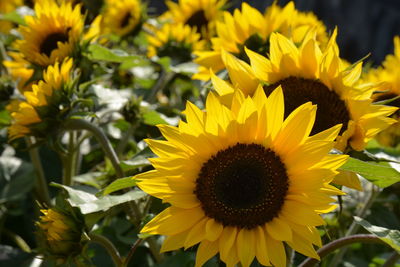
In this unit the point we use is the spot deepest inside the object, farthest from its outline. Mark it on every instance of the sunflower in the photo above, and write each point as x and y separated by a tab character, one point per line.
389	76
122	17
177	41
249	28
19	70
52	34
38	113
242	181
201	15
309	74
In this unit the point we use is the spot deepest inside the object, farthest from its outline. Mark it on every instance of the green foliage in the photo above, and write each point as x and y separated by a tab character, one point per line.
391	237
379	173
90	203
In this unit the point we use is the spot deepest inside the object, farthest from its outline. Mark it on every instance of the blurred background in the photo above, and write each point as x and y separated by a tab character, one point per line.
365	26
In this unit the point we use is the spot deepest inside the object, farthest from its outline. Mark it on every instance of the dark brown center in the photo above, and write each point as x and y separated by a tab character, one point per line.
244	186
125	20
331	110
198	20
50	43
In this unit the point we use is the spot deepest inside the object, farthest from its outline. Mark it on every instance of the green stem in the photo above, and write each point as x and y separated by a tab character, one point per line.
355	226
78	124
163	80
339	243
18	241
69	161
112	251
391	261
128	258
41	188
124	140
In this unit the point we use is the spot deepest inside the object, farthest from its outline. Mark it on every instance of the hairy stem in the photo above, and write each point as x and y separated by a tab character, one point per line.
339	243
18	241
128	258
391	261
78	124
355	226
69	162
41	187
112	251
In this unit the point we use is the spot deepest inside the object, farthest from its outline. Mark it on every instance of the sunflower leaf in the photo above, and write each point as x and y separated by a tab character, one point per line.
119	184
89	203
389	236
98	52
378	173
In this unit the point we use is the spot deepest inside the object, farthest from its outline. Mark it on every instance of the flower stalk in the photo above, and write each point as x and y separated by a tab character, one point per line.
111	249
339	243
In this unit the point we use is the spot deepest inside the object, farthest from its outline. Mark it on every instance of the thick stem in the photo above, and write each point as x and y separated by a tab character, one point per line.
69	161
124	140
128	258
41	187
112	251
78	124
18	241
391	261
339	243
163	80
355	226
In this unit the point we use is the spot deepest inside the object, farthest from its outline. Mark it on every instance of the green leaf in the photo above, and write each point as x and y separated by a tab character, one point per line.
98	52
5	117
152	117
134	163
119	184
89	179
13	17
391	237
89	203
378	173
16	178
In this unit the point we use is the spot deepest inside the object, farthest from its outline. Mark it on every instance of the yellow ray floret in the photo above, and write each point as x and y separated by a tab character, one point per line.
122	17
25	115
175	41
242	181
308	73
388	76
200	15
248	27
52	34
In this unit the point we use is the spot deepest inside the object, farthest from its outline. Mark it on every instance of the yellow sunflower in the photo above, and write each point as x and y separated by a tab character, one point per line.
242	181
42	104
201	15
178	41
52	34
249	28
19	70
122	17
309	74
389	76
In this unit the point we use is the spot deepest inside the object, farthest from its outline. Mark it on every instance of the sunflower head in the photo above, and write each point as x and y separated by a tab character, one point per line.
52	34
177	41
59	234
242	180
46	106
250	28
200	15
122	17
388	76
308	73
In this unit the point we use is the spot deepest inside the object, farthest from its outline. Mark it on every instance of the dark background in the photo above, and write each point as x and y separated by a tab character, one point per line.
365	26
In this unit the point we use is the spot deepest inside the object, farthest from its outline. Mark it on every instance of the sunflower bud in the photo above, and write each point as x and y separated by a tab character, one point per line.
60	234
131	110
